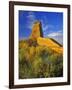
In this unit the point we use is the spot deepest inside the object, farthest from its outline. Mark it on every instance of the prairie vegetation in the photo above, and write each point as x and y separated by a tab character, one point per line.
37	61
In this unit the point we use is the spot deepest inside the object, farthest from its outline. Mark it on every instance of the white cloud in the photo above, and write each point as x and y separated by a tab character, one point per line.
58	36
45	27
55	34
31	18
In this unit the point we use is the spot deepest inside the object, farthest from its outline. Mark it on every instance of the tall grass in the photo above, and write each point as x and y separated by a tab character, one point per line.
38	61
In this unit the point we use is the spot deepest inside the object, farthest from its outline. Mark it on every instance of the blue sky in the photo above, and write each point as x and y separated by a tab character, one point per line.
52	24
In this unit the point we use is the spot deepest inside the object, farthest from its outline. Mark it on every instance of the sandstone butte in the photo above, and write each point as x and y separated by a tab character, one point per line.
37	35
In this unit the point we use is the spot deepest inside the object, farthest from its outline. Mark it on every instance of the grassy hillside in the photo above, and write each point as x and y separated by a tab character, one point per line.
51	43
38	61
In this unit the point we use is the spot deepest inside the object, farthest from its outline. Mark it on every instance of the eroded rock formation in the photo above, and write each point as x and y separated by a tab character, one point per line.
36	30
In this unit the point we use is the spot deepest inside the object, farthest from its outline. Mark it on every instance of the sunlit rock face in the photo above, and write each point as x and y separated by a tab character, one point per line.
36	30
36	38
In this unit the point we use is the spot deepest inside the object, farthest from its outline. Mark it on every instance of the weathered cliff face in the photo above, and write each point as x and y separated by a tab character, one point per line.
36	30
37	38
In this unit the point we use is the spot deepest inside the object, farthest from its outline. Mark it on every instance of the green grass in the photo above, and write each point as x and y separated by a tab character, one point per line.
38	62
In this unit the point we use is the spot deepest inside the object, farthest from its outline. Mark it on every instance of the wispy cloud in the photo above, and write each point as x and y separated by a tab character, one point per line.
54	34
45	28
31	18
58	36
